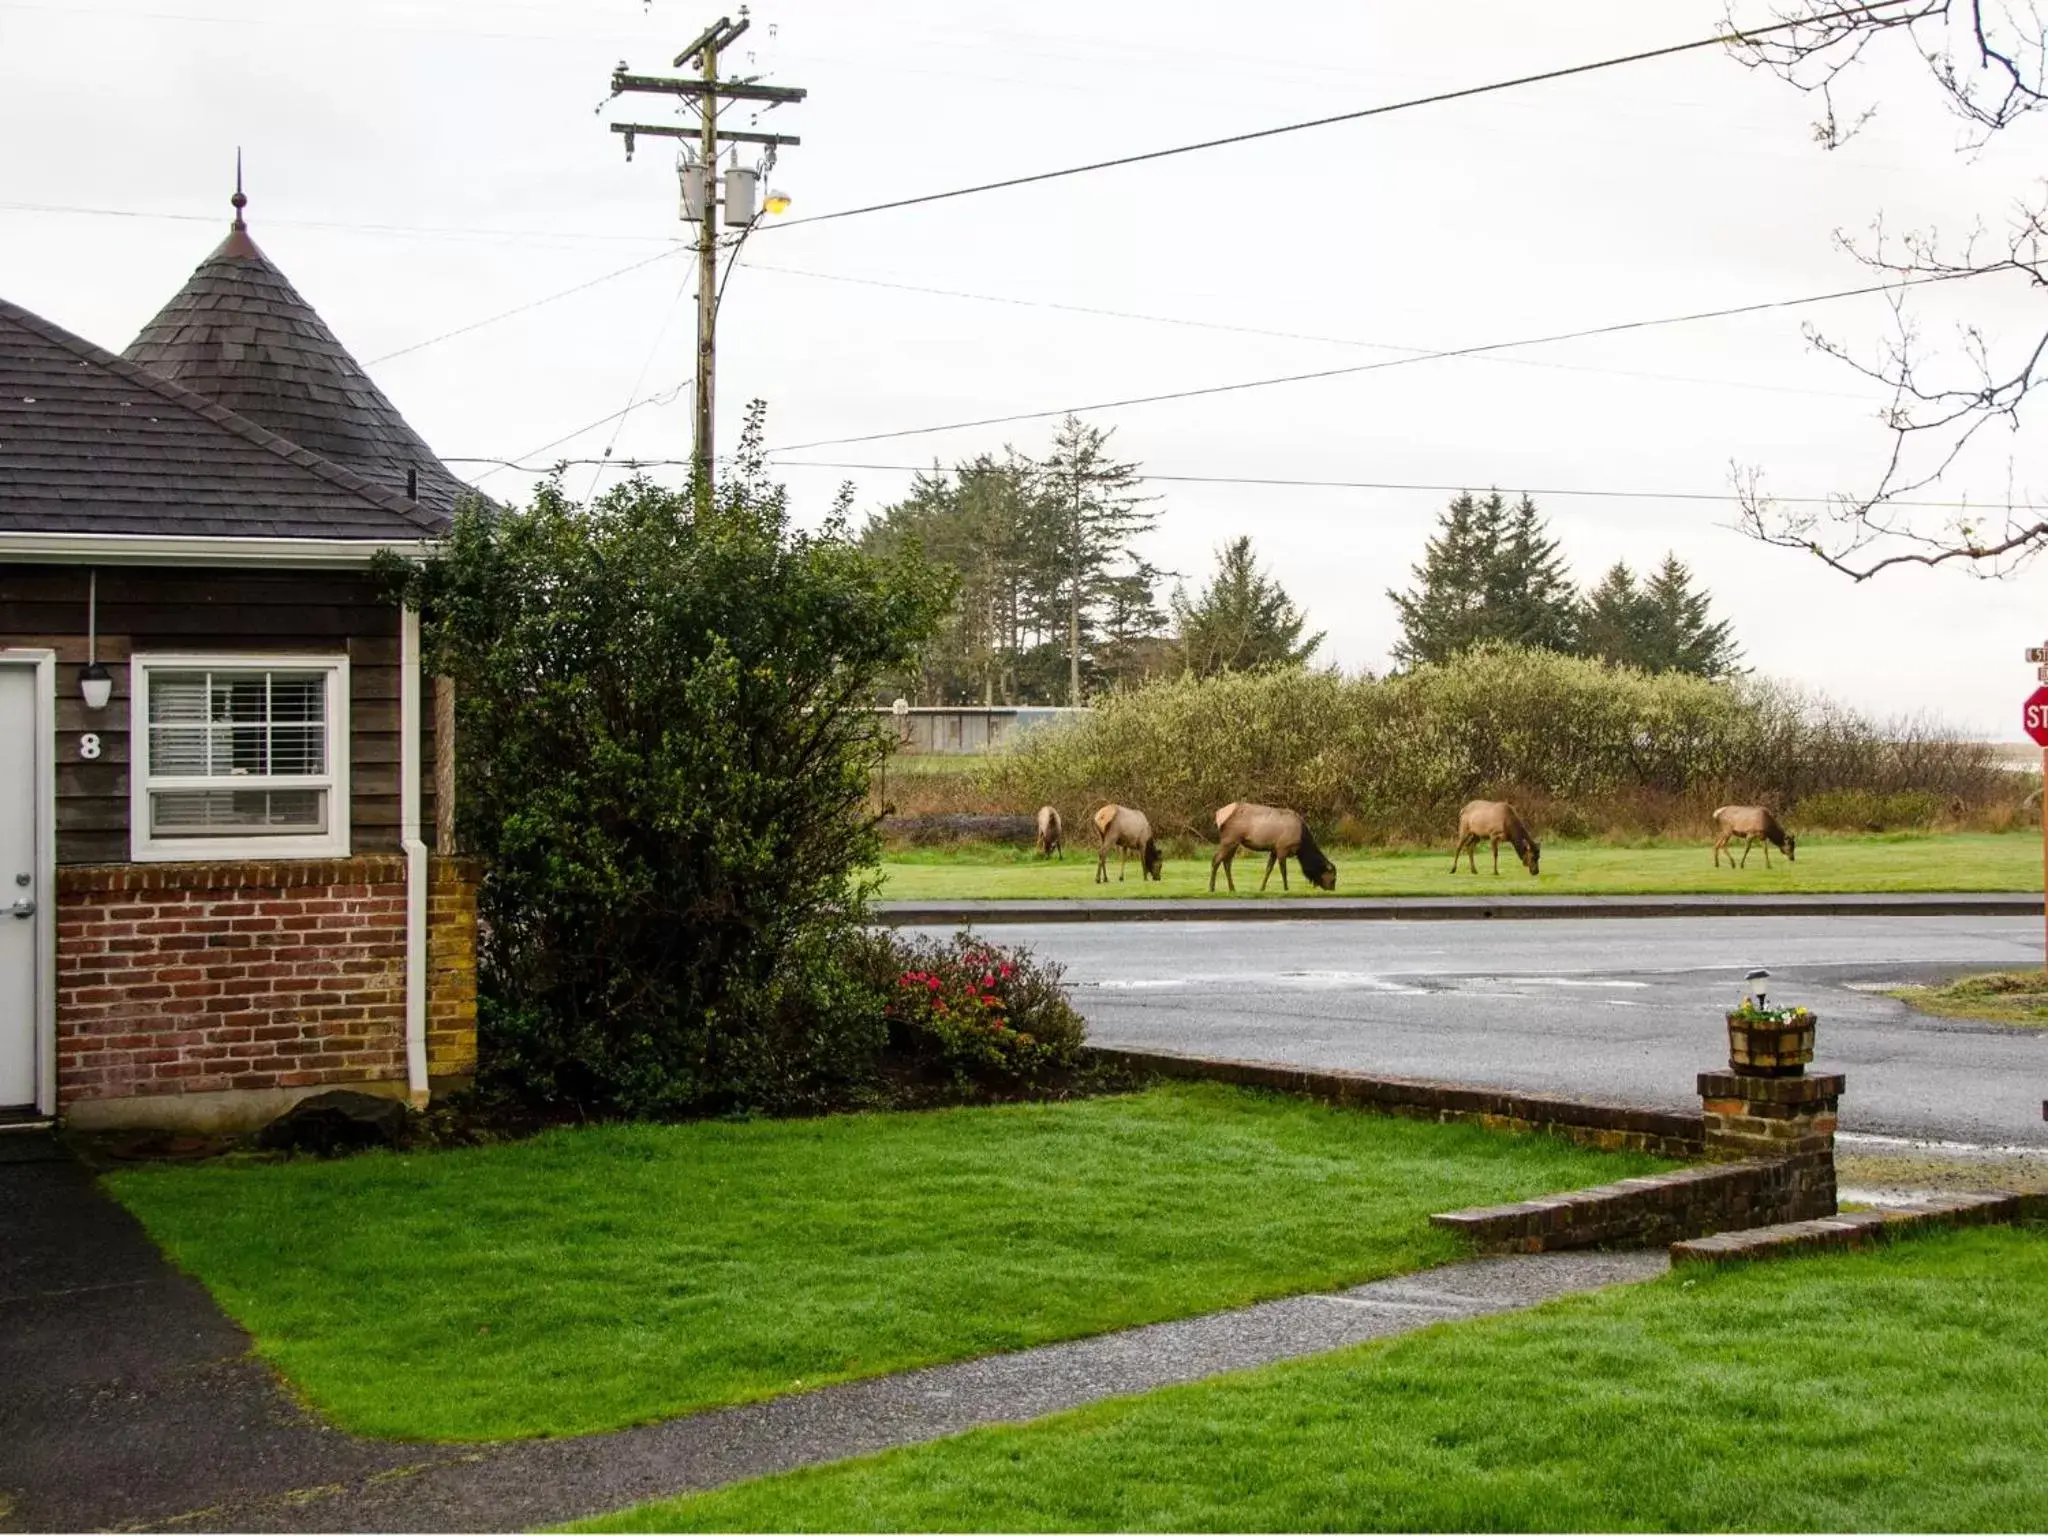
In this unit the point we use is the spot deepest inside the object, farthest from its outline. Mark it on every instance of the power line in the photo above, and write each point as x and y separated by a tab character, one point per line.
664	398
1253	330
477	325
667	318
450	231
1218	389
1604	493
1392	362
1718	40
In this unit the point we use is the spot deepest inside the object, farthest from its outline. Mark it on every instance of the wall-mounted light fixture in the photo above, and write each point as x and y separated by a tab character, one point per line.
94	682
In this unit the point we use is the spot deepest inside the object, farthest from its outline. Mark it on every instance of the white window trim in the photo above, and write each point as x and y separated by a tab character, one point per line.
143	848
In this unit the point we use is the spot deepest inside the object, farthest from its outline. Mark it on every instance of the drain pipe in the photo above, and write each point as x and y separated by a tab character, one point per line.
415	856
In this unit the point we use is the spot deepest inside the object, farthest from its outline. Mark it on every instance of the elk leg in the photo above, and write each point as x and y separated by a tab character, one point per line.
1283	874
1496	857
1463	844
1269	872
1767	853
1745	853
1225	852
1123	861
1102	864
1719	844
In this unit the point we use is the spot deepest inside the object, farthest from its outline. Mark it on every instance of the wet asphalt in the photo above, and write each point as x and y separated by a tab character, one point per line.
1628	1010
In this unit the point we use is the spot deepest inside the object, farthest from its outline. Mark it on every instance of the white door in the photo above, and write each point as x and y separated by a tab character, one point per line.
19	897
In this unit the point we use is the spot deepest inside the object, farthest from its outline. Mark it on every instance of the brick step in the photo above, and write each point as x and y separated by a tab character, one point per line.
1860	1229
1651	1209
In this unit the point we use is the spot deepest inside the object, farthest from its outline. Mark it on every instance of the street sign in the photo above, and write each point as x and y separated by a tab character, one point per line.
2034	716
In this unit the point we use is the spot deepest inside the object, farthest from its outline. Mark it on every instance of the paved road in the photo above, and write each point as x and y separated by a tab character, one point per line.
1627	1010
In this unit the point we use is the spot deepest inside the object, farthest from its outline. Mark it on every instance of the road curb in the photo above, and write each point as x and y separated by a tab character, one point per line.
1424	909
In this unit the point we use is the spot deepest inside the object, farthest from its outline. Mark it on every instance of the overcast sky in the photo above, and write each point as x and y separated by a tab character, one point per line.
414	168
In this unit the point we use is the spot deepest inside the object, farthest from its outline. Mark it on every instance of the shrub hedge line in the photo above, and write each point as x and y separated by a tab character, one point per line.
1582	746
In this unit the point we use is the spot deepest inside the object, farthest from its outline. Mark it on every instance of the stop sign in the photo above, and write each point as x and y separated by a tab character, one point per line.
2034	717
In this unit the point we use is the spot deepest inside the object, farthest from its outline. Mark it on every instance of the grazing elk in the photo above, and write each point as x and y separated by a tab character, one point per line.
1052	834
1127	831
1495	820
1279	835
1758	825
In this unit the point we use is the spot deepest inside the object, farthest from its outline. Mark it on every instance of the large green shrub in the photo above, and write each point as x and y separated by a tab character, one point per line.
1583	744
665	757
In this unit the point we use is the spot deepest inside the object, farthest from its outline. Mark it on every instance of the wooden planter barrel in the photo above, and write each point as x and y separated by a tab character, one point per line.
1770	1050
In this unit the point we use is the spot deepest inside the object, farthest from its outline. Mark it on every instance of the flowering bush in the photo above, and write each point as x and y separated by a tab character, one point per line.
1753	1012
980	1010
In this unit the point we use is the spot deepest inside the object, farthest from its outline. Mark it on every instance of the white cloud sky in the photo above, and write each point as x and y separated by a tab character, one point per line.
416	167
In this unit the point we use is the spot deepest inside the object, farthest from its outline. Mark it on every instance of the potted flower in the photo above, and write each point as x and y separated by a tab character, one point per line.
1769	1042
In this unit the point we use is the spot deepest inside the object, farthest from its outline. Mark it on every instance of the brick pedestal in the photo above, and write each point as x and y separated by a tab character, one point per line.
1784	1119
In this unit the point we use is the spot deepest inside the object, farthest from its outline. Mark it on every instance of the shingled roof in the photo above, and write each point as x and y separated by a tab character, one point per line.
239	334
93	444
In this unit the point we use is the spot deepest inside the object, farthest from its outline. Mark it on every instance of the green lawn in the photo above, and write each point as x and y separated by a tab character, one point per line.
1893	1390
594	1278
1998	997
1962	861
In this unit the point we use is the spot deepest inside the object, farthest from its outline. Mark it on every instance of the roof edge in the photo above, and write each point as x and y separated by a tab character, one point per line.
178	395
175	549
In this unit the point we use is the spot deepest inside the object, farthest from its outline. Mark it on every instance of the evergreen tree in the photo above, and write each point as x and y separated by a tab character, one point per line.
1659	625
1092	512
1530	597
981	519
1614	622
1491	573
1688	640
1044	559
1133	645
1242	620
1439	616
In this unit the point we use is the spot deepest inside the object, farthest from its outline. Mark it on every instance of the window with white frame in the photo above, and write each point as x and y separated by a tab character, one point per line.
239	757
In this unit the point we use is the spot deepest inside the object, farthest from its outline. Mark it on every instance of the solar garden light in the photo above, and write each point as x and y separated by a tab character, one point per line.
1758	975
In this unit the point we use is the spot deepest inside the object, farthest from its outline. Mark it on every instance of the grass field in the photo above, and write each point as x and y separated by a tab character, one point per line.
1998	997
1962	861
1897	1390
594	1278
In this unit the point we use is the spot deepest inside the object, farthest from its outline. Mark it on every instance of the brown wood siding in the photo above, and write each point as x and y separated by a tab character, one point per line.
232	612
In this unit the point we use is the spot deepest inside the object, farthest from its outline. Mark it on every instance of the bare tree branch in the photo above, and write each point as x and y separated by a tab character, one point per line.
1987	58
1989	62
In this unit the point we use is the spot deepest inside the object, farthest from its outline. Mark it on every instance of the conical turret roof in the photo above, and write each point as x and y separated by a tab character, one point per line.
239	334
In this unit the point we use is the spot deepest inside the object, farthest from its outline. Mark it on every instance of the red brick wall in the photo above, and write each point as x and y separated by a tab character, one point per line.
199	978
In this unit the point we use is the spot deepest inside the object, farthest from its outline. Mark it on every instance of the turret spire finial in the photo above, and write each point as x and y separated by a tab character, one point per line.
238	199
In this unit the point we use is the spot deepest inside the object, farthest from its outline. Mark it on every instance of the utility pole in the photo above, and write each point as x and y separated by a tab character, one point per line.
701	183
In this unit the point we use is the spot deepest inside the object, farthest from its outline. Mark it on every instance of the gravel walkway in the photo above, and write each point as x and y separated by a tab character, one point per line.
133	1402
